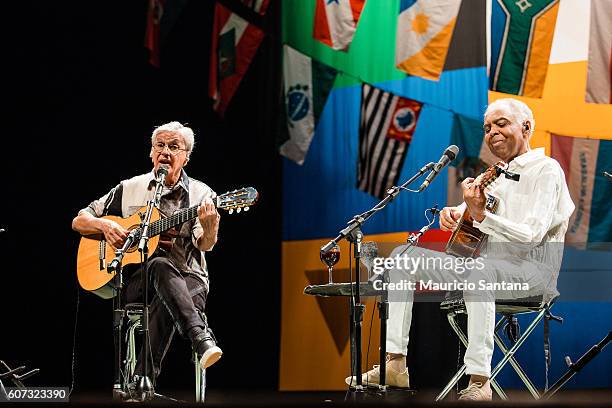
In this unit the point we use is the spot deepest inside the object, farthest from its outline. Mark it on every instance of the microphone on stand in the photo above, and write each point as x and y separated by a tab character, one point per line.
162	172
449	155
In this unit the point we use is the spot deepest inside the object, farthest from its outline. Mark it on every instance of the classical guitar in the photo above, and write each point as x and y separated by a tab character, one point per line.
95	253
466	239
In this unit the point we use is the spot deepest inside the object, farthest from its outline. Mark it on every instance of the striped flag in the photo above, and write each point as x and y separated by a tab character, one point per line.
234	44
336	22
387	125
521	40
307	84
599	79
584	162
424	32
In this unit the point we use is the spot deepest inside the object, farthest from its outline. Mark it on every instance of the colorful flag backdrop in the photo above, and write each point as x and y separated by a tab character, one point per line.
521	39
322	194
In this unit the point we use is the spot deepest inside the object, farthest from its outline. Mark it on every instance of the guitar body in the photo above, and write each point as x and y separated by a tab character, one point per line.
95	254
91	270
467	240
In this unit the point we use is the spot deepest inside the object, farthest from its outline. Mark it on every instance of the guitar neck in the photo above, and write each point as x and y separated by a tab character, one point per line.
164	224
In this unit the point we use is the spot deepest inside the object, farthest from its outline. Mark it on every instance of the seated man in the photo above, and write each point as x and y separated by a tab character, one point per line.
177	269
524	245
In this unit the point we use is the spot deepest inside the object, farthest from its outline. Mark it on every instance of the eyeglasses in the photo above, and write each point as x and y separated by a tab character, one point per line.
173	148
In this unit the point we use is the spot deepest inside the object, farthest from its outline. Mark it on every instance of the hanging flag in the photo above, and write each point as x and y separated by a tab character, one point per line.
336	22
521	39
584	162
424	32
387	125
154	16
307	84
599	78
234	44
258	6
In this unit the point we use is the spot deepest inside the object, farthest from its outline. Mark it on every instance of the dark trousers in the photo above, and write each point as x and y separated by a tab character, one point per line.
176	302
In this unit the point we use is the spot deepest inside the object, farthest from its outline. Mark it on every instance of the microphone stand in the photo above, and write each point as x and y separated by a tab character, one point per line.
145	387
118	311
353	234
383	303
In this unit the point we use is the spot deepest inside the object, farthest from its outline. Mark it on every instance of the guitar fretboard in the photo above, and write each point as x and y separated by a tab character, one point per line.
165	224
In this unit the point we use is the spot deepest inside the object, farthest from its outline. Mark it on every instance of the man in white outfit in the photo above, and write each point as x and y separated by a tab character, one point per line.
524	247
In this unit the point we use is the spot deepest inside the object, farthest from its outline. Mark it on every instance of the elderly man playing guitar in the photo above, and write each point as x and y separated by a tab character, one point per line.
177	269
533	212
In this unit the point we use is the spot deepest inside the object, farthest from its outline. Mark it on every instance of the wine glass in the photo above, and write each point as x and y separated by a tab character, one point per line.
369	251
330	258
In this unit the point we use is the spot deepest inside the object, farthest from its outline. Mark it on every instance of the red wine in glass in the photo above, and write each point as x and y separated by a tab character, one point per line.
330	258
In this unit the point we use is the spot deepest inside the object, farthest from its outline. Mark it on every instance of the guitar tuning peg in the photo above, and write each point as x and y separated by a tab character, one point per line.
231	211
238	210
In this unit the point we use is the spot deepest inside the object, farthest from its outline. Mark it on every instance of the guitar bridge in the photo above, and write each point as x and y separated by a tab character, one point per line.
102	254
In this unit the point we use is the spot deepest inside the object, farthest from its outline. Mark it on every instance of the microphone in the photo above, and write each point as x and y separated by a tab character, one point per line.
449	155
162	172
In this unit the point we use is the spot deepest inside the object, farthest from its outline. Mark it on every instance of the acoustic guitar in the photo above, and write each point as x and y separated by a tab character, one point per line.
95	253
466	239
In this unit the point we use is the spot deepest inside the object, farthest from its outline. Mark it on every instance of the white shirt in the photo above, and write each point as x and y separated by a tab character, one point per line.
532	212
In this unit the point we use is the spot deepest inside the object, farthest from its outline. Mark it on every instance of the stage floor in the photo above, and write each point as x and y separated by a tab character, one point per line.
256	398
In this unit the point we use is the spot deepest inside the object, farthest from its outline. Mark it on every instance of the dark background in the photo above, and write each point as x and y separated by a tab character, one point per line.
81	101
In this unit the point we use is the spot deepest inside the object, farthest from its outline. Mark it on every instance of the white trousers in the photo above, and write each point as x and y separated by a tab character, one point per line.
480	303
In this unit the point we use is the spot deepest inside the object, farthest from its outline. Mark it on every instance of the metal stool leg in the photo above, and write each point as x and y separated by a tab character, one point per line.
519	370
130	353
200	380
510	352
453	381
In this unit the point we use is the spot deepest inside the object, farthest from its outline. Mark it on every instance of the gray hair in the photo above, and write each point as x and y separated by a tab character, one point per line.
520	110
177	127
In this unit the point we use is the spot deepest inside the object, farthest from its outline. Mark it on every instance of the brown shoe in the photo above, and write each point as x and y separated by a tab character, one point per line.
476	392
372	377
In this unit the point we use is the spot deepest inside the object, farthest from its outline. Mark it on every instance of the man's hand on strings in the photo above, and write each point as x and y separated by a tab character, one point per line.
448	218
475	199
114	233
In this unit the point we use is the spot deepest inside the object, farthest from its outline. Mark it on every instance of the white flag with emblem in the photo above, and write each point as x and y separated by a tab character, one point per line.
307	84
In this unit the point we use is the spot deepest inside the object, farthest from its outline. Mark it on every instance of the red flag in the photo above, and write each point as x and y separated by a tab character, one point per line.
154	16
234	44
336	22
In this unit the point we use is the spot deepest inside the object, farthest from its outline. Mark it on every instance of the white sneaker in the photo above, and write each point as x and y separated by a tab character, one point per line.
210	357
476	392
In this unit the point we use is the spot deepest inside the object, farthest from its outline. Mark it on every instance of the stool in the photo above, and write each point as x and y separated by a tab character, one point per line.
455	304
133	313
